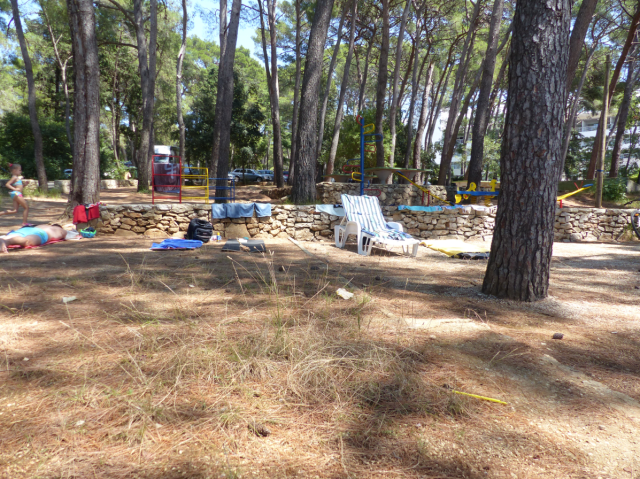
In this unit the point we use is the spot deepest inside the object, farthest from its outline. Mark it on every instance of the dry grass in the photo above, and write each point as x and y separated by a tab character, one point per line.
203	365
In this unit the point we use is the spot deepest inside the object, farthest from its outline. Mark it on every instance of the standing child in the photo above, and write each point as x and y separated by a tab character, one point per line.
15	187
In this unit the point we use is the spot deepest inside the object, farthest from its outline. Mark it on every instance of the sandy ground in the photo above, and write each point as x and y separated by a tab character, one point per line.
165	362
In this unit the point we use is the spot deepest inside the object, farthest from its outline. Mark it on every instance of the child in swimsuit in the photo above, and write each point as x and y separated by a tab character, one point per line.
15	187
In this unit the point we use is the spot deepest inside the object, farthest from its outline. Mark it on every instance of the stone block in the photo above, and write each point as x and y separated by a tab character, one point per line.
155	233
123	232
125	227
138	229
129	221
236	230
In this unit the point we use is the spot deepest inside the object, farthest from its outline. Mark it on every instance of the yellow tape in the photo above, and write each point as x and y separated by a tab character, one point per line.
484	398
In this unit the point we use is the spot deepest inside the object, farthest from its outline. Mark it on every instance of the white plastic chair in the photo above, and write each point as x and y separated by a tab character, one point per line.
364	219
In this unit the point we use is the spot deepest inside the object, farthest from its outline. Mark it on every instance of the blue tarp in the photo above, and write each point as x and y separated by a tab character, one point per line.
239	210
176	244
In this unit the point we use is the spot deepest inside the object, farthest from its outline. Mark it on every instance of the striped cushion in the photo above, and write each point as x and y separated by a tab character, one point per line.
366	211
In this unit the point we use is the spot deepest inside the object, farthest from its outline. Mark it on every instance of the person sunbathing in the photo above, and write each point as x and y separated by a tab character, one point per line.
32	236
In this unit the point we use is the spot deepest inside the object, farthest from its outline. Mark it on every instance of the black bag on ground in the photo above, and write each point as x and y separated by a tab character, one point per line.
199	230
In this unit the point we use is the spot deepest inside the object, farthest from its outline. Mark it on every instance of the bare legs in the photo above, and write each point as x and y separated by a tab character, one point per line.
18	202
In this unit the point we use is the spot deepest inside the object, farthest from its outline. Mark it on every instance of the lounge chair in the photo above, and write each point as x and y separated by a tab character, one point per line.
364	220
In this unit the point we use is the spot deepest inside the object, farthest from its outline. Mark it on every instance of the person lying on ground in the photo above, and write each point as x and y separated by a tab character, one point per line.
32	236
15	187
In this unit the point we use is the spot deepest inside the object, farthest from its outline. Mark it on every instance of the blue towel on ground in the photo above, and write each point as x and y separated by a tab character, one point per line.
263	209
176	244
420	208
239	210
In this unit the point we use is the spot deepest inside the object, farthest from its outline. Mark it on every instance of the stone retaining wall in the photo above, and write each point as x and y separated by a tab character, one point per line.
391	195
304	223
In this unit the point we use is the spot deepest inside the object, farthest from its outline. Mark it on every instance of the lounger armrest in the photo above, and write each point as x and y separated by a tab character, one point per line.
395	226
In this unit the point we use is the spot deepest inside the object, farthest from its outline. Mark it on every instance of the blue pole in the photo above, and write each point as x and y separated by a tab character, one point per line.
361	156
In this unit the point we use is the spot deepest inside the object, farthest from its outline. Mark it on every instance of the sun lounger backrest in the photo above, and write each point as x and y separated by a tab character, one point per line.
364	210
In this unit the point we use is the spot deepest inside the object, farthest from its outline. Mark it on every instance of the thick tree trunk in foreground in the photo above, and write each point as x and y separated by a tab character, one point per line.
578	33
381	90
396	76
483	106
623	114
522	243
217	125
304	186
147	70
296	98
85	179
597	143
31	86
343	90
181	53
225	98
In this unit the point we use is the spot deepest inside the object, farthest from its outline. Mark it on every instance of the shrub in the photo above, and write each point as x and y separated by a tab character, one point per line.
615	189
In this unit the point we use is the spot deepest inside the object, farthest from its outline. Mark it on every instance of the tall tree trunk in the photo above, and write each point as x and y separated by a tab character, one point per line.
570	123
274	89
396	76
31	86
85	179
296	98
434	118
623	114
327	89
422	121
381	90
458	90
530	162
304	186
343	91
225	98
363	82
217	125
415	76
578	33
597	143
147	70
179	89
482	108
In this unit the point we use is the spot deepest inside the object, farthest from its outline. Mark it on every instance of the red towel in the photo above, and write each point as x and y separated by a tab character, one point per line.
80	215
93	212
15	246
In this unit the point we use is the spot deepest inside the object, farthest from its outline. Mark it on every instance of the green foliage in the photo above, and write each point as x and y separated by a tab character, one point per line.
17	145
614	189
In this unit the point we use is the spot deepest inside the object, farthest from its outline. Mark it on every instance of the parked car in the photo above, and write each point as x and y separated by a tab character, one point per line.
285	175
247	174
268	174
67	173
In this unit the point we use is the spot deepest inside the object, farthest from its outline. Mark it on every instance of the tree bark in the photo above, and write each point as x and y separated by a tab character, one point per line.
415	76
530	162
623	114
597	143
31	86
422	121
296	98
225	98
458	90
179	90
85	179
304	186
217	125
363	82
147	70
381	90
343	91
327	90
433	120
396	76
578	34
274	89
482	108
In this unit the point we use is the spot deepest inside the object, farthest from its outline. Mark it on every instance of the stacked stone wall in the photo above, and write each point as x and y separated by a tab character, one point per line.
304	223
390	195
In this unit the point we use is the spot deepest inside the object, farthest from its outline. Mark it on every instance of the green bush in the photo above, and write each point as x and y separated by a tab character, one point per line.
615	189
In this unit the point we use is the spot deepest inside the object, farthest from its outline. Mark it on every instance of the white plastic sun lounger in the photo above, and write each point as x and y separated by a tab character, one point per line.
364	219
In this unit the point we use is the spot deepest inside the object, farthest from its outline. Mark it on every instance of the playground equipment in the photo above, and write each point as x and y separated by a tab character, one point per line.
577	190
169	176
471	192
